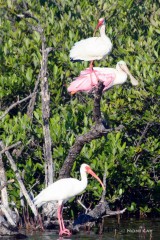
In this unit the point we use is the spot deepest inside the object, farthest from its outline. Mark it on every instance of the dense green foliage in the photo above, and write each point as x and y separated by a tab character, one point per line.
130	157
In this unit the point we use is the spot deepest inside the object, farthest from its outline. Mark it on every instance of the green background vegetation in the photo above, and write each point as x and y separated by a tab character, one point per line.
131	157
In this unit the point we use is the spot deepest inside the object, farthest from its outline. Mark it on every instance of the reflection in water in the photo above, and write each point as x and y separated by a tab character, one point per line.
145	229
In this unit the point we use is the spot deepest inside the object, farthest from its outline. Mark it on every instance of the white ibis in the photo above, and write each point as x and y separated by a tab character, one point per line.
109	76
93	48
62	190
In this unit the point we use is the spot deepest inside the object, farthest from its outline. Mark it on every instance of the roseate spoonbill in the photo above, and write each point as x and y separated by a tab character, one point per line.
62	190
93	48
109	76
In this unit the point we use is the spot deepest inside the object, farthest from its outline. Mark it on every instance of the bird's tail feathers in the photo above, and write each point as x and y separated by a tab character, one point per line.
37	203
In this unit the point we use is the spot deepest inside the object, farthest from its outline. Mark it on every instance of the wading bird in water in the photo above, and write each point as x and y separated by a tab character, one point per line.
93	48
62	190
86	81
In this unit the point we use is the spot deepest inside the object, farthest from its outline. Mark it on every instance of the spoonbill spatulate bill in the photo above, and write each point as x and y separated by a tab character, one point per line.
93	48
88	79
62	190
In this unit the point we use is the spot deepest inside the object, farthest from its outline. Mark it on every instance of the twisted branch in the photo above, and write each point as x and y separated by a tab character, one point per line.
97	131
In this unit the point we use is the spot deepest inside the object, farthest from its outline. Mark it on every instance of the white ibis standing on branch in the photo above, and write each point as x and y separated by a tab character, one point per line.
93	48
62	190
109	76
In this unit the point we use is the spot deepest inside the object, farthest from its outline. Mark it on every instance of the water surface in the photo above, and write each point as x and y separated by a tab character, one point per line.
131	229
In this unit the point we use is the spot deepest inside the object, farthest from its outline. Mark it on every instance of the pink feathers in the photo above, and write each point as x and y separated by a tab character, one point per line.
88	79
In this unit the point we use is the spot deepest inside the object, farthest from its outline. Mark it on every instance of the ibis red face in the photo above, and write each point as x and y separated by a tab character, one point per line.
101	22
89	170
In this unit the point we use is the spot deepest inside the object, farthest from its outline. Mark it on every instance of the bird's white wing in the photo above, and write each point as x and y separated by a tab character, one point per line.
89	49
63	189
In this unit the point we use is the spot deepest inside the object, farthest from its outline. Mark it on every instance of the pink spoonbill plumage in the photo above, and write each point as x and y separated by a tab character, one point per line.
93	48
62	190
87	80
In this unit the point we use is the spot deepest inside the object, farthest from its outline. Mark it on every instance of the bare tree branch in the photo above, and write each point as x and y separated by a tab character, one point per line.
10	147
19	179
7	215
3	180
149	124
104	183
43	76
155	159
97	101
6	183
97	131
30	108
4	195
14	105
28	14
100	211
49	167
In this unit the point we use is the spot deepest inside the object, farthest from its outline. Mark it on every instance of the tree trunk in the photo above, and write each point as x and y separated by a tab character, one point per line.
19	179
97	131
49	170
4	196
3	180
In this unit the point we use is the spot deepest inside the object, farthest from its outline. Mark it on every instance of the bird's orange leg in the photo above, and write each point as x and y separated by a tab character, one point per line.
63	230
92	70
59	218
91	65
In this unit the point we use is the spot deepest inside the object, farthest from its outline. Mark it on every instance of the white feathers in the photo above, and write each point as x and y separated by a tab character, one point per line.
93	48
61	190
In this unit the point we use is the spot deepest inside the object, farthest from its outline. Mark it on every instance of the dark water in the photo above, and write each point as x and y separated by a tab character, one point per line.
145	229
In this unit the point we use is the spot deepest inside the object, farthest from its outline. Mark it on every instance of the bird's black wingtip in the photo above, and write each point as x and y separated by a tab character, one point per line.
75	60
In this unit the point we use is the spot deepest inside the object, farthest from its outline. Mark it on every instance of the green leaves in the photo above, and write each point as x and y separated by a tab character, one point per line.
29	74
128	157
14	129
132	207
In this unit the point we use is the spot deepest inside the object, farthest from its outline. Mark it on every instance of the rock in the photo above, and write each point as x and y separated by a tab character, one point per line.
6	231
